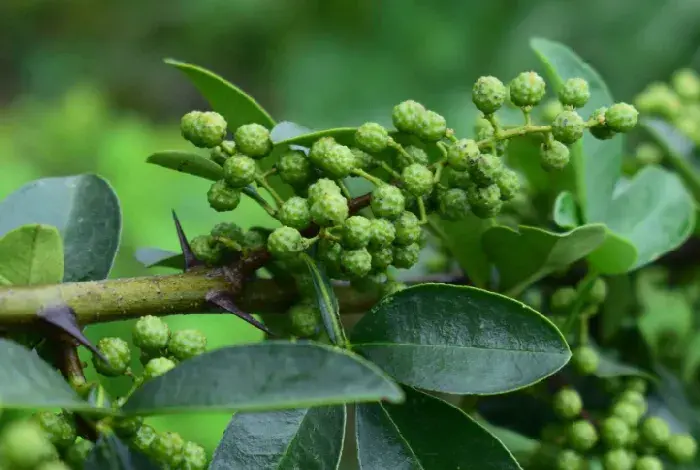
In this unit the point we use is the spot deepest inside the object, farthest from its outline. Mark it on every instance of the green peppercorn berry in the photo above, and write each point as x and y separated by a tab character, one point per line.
568	459
205	249
294	168
356	232
554	156
194	457
338	161
508	183
143	438
295	213
329	252
567	403
77	453
562	299
682	448
485	202
618	459
582	435
411	154
239	171
627	412
363	160
387	201
585	360
59	428
228	230
304	318
220	153
253	140
321	189
486	169
634	398
117	353
392	287
598	292
637	384
203	129
285	242
648	154
686	83
329	211
488	94
550	110
527	89
481	124
223	198
567	127
407	116
621	117
417	179
655	431
408	229
167	448
648	462
431	126
157	367
255	238
127	427
463	154
372	137
601	131
614	432
150	333
457	178
188	343
406	256
24	445
356	263
382	258
381	233
575	92
453	204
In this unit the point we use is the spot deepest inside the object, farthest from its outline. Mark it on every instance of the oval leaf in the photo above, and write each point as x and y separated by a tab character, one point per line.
83	208
597	163
236	106
463	239
308	438
425	433
460	340
565	211
265	376
187	162
28	382
32	254
530	253
608	367
327	303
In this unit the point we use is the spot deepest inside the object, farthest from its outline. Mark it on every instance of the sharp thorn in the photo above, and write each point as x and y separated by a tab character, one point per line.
190	260
63	318
223	300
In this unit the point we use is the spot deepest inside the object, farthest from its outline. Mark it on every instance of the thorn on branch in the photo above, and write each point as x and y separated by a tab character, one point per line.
62	317
190	260
222	299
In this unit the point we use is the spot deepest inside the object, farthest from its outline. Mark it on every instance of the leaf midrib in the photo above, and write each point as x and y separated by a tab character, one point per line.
446	346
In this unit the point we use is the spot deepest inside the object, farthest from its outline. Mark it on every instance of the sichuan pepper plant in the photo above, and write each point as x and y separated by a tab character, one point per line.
477	261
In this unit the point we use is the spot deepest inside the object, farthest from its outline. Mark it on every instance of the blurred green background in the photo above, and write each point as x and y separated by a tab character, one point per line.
83	88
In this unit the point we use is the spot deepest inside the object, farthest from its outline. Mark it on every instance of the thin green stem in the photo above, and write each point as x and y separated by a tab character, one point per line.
230	244
372	179
269	172
438	171
583	331
514	132
527	115
264	184
399	148
584	288
450	135
421	210
255	196
344	189
436	230
385	166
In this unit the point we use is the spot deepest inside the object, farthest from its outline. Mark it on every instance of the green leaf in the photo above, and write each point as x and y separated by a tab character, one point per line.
344	136
460	340
231	102
187	162
85	210
608	367
596	163
528	254
111	453
327	303
287	130
307	438
520	446
425	433
264	376
614	256
27	382
32	254
565	215
619	304
463	240
151	257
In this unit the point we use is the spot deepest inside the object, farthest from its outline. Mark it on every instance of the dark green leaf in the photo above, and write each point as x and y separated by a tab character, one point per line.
264	376
327	303
565	211
596	163
83	208
614	256
28	382
110	453
520	446
232	103
150	257
188	162
608	367
528	254
460	340
32	254
306	438
425	433
463	240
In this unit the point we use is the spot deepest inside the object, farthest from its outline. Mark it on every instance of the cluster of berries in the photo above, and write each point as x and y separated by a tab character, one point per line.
622	437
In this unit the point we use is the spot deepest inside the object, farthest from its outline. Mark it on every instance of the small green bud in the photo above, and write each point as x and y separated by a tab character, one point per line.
582	435
562	299
406	256
363	160
621	117
567	127
567	403
25	446
508	183
220	153
239	171
205	249
77	453
614	432
338	161
457	178
329	253
687	84
143	438
381	233
203	129
431	126
618	459
254	238
228	230
488	94
486	169
223	198
295	213
554	156
585	360
598	292
411	154
59	428
634	398
372	137
417	179
485	202
330	210
408	229
655	431
356	232
294	168
305	319
387	201
194	457
568	459
463	154
648	462
157	367
637	384
682	448
627	412
382	258
127	427
253	140
551	109
453	204
527	89
188	343
322	188
575	92
285	242
356	263
117	353
150	333
392	287
407	116
648	154
167	448
601	131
